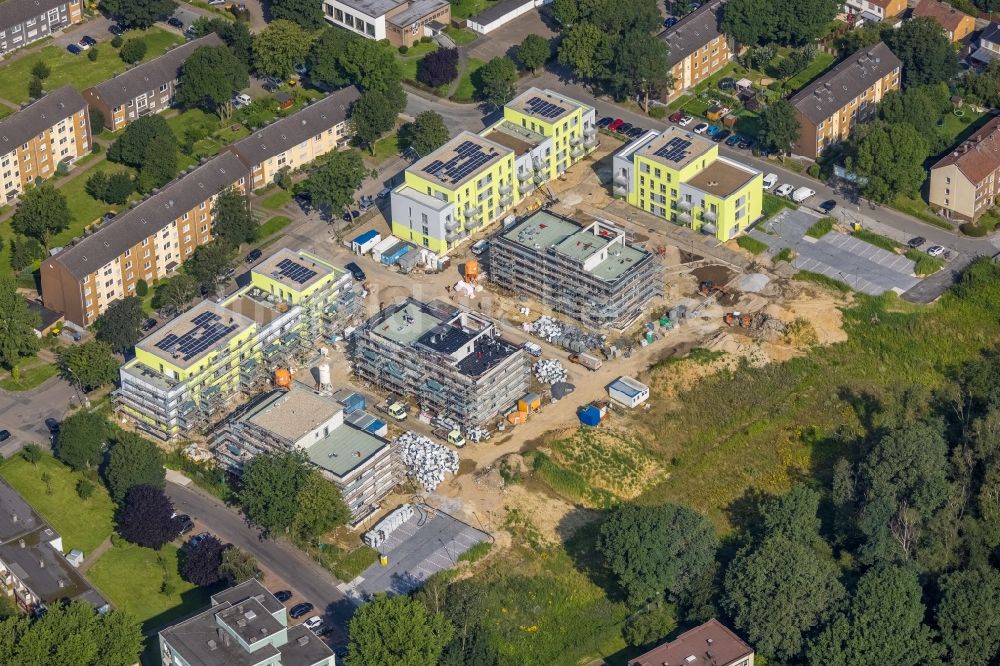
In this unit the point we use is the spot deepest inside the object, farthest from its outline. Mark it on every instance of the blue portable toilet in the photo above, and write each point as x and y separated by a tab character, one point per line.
589	416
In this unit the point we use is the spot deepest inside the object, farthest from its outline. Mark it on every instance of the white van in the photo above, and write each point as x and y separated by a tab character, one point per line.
784	190
801	194
480	246
770	180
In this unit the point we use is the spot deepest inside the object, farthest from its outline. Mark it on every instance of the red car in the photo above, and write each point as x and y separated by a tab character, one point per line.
616	124
676	116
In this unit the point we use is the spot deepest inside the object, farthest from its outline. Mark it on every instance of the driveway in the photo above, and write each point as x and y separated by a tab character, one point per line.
503	39
24	413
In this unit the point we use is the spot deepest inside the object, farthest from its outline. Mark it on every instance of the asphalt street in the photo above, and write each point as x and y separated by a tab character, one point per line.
24	414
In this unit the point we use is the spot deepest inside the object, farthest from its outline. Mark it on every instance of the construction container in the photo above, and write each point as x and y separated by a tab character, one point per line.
351	401
383	246
365	242
409	261
589	415
530	402
628	392
586	360
392	256
378	427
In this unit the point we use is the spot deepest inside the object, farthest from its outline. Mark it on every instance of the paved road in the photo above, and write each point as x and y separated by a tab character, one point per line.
307	579
24	413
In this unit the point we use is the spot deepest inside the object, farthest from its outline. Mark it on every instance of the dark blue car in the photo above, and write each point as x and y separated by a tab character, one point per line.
74	49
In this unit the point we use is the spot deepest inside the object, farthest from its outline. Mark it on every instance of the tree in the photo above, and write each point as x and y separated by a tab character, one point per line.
92	54
235	34
159	163
304	12
793	515
883	624
587	50
31	454
41	213
133	461
89	365
925	51
121	324
35	88
320	508
208	79
145	517
202	561
139	13
81	439
279	47
657	551
17	324
270	489
175	293
40	70
238	566
643	68
208	263
96	119
438	68
495	81
890	157
133	50
141	288
565	12
332	184
779	591
132	147
533	52
371	116
233	223
788	22
779	128
71	633
396	630
113	189
24	252
425	134
920	107
326	57
967	617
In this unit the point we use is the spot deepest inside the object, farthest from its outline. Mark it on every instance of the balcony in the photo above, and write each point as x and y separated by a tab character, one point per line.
469	211
710	216
577	151
505	189
506	200
527	188
591	142
684	205
621	190
590	131
621	179
524	175
575	141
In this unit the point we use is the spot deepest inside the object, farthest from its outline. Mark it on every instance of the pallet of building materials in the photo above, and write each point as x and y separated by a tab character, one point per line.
550	371
426	460
377	535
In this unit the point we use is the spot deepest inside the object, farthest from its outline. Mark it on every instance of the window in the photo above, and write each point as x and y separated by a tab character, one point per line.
163	88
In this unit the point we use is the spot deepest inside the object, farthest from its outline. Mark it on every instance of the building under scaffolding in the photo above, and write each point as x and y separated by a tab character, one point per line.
448	360
589	273
364	467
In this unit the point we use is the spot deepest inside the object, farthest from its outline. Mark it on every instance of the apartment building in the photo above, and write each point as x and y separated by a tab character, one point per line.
145	89
25	21
679	176
696	47
708	644
828	108
245	626
965	183
402	22
146	242
587	272
34	140
362	466
450	361
956	25
298	139
184	375
34	572
875	11
474	180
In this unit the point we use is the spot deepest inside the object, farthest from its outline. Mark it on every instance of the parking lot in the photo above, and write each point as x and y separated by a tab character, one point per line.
866	268
422	546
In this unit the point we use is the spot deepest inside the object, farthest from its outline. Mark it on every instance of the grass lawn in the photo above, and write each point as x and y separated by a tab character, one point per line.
751	245
822	62
132	577
385	148
466	92
78	69
878	240
5	111
463	9
919	209
461	36
680	103
274	225
924	264
820	227
83	524
32	373
276	200
346	565
955	128
774	204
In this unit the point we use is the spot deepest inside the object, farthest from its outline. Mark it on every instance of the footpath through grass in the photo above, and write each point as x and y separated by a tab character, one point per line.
466	91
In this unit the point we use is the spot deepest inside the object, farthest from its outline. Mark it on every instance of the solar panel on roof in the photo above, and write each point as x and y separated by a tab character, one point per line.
469	157
208	329
295	272
540	107
674	150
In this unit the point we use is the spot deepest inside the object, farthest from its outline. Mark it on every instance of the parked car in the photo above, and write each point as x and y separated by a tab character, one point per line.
636	132
685	121
916	241
4	435
676	116
480	246
727	83
356	271
116	29
784	190
669	22
721	136
241	100
198	538
747	143
605	121
148	325
313	623
52	425
298	610
184	522
770	180
301	69
803	193
88	40
734	140
615	124
74	49
712	130
175	22
270	86
254	255
827	206
83	45
383	193
935	250
623	128
283	595
700	128
350	215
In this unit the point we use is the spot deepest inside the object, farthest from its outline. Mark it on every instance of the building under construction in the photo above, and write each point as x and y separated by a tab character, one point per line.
449	360
589	273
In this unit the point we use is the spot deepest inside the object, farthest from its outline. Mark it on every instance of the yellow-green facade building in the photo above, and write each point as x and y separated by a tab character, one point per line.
184	374
475	180
680	176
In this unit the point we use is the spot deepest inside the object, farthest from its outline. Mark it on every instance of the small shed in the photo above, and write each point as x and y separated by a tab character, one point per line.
391	256
628	391
744	84
350	400
75	557
365	242
409	260
589	415
529	402
284	100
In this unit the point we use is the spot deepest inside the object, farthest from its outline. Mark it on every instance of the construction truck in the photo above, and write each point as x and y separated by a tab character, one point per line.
393	408
451	435
592	363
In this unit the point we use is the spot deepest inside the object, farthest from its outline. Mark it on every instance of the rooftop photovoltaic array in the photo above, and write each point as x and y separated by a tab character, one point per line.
295	272
469	157
208	330
674	150
543	109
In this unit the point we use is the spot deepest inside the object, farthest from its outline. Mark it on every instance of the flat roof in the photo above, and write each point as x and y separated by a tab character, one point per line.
373	8
545	105
345	449
415	10
408	324
296	270
675	148
628	386
422	197
293	413
722	177
189	337
460	160
517	138
249	589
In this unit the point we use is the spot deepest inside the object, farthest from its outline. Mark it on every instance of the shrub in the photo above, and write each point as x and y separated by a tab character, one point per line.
40	70
751	245
403	49
425	40
116	41
84	488
35	88
92	54
31	453
813	170
658	112
141	288
96	120
133	51
972	229
784	255
819	278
